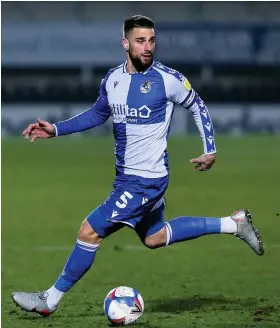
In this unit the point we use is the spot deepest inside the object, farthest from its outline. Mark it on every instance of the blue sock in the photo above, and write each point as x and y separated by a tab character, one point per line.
77	265
190	227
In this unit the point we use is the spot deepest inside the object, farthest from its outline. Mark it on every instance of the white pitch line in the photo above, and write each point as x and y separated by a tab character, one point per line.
128	247
52	248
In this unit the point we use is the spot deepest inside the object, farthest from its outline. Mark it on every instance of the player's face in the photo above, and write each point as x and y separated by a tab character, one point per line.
141	47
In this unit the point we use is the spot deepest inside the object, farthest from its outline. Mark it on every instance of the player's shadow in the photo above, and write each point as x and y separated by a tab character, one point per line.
197	302
136	325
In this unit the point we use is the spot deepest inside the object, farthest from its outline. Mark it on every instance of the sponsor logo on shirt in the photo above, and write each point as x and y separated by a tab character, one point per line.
122	113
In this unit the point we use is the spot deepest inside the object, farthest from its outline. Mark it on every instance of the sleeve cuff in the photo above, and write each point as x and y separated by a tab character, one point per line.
56	132
214	152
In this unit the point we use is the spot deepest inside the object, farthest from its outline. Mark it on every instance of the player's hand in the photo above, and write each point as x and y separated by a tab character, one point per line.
204	162
41	129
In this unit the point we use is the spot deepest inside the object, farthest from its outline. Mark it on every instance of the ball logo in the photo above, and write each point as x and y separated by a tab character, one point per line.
123	291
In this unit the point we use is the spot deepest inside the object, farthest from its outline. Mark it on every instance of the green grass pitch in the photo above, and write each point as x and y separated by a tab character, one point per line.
215	281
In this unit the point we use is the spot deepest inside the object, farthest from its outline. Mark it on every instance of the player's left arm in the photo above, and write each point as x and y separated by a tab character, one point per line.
184	95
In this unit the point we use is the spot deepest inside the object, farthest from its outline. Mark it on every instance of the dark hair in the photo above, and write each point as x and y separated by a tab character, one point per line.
136	21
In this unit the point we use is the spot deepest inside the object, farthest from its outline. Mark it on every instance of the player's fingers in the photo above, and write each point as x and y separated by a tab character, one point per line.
39	133
24	132
41	122
200	167
207	167
31	127
206	162
34	138
27	132
195	160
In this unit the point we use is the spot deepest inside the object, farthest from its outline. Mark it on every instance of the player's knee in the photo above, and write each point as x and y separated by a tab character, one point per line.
88	235
156	240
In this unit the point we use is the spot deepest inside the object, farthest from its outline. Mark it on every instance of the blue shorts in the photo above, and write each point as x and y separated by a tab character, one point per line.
135	202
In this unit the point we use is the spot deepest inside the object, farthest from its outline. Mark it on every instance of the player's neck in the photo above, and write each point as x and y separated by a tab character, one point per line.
130	68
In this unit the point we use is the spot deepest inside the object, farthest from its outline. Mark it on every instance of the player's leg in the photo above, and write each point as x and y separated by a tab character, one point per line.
155	233
238	224
151	228
93	230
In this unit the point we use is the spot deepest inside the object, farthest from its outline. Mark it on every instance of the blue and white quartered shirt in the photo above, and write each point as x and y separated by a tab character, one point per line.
141	107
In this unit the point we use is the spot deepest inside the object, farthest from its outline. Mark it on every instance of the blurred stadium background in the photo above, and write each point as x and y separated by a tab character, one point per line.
54	55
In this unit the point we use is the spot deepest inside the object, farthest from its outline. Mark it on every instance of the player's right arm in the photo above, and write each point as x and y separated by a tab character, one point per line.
95	116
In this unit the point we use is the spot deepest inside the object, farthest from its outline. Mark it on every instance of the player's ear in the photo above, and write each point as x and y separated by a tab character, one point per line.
125	44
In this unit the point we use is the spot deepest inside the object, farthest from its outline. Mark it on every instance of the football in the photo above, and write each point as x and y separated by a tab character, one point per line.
123	305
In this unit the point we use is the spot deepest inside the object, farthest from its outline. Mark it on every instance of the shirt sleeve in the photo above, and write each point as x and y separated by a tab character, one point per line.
96	115
203	121
179	89
181	92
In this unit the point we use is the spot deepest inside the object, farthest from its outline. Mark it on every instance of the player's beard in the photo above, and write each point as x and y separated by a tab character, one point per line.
139	65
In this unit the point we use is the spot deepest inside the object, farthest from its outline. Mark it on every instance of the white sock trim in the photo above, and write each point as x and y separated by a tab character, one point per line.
86	246
168	233
228	225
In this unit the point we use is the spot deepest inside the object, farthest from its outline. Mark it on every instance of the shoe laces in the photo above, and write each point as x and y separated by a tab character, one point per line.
43	296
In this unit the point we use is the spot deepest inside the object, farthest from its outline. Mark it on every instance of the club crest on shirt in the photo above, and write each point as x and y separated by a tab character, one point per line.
146	87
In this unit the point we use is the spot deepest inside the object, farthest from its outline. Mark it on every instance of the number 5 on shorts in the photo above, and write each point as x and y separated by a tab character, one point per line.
124	200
